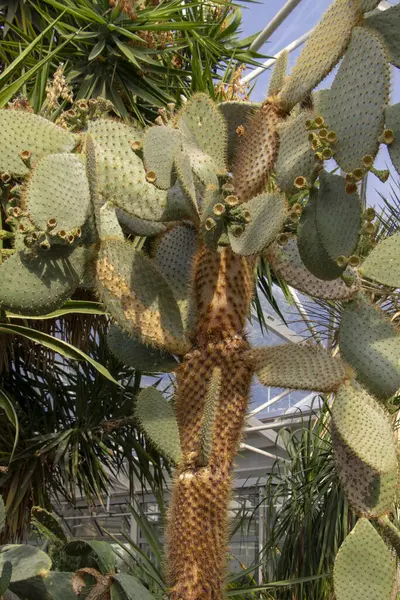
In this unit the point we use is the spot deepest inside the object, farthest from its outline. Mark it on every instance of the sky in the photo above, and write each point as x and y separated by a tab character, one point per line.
305	16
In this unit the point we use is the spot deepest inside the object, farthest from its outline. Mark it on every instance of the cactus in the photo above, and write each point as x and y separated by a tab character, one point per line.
387	25
210	211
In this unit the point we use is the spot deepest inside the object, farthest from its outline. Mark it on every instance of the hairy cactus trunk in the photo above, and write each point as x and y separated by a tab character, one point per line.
212	387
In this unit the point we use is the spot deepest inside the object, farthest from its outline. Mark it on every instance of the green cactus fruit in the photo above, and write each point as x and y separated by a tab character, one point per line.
358	129
383	264
256	153
278	74
387	24
237	114
52	586
287	264
338	216
211	402
300	367
47	524
371	345
311	248
131	588
174	256
120	172
364	567
364	451
58	189
323	49
130	351
392	117
26	131
27	561
157	419
2	514
160	145
296	158
139	227
108	224
102	552
138	297
37	285
268	212
203	125
5	577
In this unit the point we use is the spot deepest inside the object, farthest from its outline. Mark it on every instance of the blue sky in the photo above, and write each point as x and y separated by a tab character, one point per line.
305	16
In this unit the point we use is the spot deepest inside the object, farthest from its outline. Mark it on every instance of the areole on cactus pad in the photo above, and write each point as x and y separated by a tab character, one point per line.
211	190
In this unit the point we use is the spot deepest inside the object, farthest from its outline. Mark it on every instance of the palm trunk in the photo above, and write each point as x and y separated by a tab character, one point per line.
198	523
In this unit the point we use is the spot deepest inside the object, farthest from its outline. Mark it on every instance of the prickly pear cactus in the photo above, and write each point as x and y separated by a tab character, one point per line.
212	189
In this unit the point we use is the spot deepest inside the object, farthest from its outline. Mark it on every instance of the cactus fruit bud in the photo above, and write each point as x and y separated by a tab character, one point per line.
15	190
232	200
237	230
300	182
228	187
294	216
319	122
137	146
349	177
151	176
342	261
45	245
70	239
368	161
6	177
351	188
62	234
247	216
83	106
25	156
316	143
354	261
310	124
282	239
387	137
51	223
297	208
209	224
369	214
381	174
327	153
369	228
331	137
358	174
16	212
323	133
4	235
218	209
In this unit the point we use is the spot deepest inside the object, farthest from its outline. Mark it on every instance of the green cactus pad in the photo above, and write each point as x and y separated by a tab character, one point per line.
211	237
102	552
160	145
5	577
130	351
368	5
211	401
108	224
202	124
140	227
357	128
364	451
295	157
323	49
132	588
268	213
387	24
383	263
47	524
278	74
311	249
58	189
27	561
392	118
256	153
287	264
364	567
236	114
158	421
338	216
138	296
38	285
25	131
371	345
202	165
299	367
54	586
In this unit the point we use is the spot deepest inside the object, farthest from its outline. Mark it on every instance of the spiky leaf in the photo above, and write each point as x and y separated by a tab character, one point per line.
299	367
47	524
130	351
132	588
383	263
323	49
27	561
355	111
287	264
387	24
371	345
157	419
364	567
102	552
267	215
25	131
364	451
